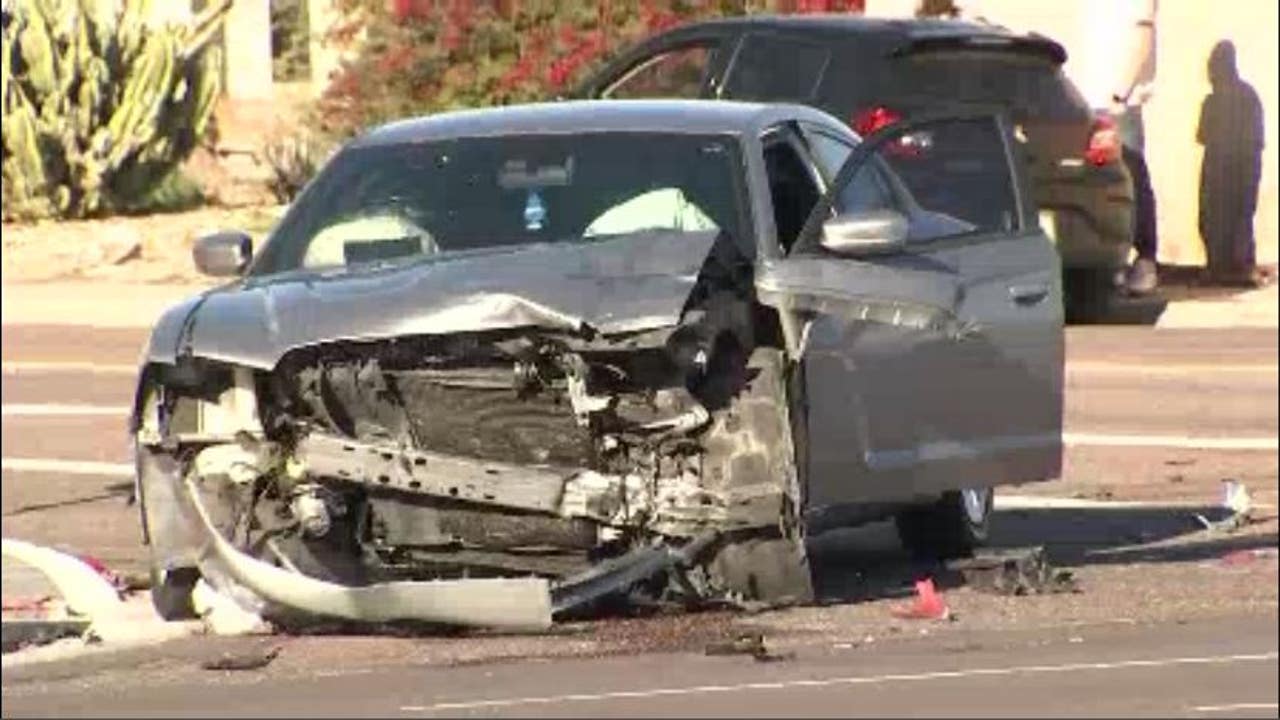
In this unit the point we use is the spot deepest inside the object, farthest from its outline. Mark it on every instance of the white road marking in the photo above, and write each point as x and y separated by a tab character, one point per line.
1186	442
70	467
1070	439
833	682
1207	369
1049	502
62	410
1236	706
18	366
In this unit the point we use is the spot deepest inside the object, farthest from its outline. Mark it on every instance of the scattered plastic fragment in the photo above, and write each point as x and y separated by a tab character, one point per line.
101	568
1239	505
928	604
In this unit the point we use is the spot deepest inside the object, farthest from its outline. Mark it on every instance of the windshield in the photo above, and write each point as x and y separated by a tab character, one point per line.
395	203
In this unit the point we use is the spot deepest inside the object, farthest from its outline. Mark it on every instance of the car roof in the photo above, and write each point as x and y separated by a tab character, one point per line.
893	34
694	117
902	28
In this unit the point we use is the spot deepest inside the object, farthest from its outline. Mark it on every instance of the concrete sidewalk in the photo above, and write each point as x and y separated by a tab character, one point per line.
137	305
98	304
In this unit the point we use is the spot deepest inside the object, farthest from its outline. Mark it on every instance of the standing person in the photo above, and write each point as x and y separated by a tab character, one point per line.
1130	91
1231	132
1115	70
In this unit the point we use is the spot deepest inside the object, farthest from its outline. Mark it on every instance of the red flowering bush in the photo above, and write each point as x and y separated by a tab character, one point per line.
422	56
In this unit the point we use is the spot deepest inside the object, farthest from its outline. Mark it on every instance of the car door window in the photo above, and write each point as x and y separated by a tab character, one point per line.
957	169
677	73
949	177
774	68
793	189
868	190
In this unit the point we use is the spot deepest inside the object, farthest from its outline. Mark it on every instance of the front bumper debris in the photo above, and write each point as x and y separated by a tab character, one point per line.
523	603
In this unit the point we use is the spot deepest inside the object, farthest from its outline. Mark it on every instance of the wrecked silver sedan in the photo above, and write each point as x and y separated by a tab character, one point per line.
497	366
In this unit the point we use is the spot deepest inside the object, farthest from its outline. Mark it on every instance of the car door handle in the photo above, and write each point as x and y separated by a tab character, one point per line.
1028	294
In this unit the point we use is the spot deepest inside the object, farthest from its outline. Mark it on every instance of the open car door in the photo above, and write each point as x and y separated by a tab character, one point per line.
922	305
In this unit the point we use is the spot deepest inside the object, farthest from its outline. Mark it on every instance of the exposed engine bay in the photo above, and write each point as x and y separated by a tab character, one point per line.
658	463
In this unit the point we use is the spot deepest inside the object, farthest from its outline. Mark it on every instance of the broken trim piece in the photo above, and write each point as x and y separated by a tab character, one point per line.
523	604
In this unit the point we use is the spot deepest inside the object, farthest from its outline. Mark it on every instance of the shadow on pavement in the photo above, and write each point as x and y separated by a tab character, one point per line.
1178	283
869	564
1132	311
116	490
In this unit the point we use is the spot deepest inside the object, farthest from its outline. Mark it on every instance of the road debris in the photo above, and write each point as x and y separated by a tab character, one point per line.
748	644
115	579
742	645
928	604
222	615
1244	557
254	659
1239	505
1022	571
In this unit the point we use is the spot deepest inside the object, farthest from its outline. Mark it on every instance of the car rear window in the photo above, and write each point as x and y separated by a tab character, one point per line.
774	68
1036	87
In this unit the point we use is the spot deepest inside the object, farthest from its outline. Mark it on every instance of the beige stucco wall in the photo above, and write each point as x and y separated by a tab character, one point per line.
246	36
1187	30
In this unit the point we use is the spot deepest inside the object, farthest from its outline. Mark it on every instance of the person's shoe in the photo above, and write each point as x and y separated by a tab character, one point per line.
1142	278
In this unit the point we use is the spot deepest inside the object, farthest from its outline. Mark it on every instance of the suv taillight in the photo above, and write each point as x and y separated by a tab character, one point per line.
874	119
1104	142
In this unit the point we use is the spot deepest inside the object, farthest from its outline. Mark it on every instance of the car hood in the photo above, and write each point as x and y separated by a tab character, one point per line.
614	286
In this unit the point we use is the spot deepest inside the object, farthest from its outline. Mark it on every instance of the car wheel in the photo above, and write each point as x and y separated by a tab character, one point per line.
171	592
953	527
1087	294
772	571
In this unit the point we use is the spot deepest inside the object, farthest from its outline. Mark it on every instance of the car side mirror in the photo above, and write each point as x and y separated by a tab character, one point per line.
865	233
223	254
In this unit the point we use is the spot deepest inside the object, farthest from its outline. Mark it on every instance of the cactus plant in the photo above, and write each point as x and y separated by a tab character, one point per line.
98	106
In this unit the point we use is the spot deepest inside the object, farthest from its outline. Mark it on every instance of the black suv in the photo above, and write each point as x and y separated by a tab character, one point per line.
874	72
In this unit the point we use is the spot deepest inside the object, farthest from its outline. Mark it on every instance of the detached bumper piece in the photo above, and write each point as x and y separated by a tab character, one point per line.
523	604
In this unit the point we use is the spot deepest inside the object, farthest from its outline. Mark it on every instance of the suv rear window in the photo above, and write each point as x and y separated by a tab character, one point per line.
774	68
1037	87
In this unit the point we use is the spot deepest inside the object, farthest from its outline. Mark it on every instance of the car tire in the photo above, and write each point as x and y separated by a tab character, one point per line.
953	527
1088	294
771	571
171	592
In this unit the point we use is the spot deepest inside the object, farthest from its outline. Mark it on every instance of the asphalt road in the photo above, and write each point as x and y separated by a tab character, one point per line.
1219	669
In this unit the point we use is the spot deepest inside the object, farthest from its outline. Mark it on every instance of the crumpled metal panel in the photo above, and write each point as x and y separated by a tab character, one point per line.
622	285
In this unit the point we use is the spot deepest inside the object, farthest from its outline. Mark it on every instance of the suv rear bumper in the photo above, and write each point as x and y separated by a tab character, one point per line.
1092	211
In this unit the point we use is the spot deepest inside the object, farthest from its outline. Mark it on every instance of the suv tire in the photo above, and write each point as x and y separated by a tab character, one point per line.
953	527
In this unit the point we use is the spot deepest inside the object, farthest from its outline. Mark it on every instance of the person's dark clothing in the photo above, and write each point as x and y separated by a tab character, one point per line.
1144	217
1231	131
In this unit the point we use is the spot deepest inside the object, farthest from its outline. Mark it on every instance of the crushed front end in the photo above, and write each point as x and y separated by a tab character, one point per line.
502	477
